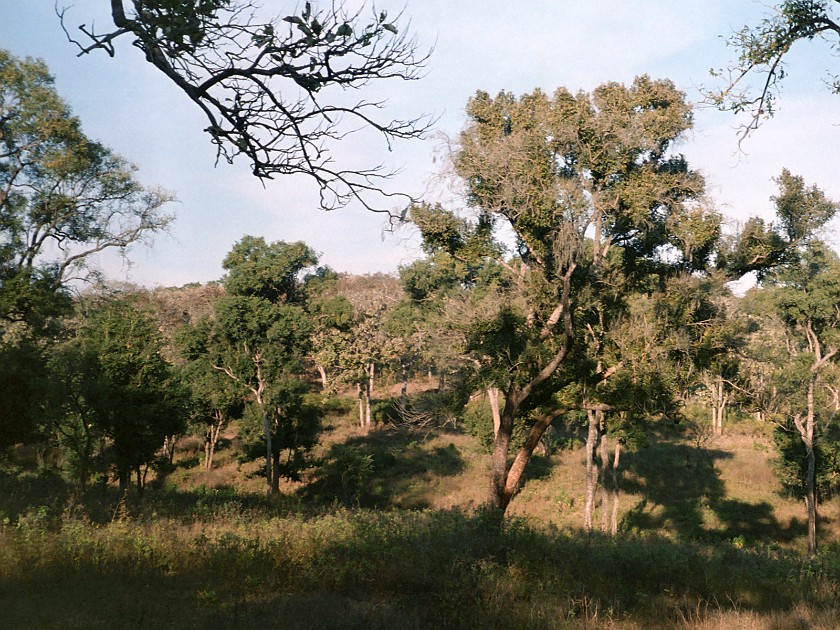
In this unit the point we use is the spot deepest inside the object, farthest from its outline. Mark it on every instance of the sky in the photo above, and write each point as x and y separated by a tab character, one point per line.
491	45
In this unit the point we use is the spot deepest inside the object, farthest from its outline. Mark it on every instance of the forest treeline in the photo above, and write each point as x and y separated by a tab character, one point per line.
609	307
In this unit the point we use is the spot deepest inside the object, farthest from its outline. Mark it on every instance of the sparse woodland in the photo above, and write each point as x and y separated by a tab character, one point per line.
580	425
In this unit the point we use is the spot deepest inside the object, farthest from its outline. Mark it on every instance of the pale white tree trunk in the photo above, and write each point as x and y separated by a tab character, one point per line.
493	397
806	432
614	519
367	409
371	369
211	439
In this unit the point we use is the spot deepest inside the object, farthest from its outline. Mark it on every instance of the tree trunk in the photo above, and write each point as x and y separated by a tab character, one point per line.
371	368
719	405
603	465
499	499
275	477
169	447
364	407
810	484
123	475
614	519
361	408
211	439
504	482
493	397
323	374
367	409
404	389
268	450
504	487
592	440
208	440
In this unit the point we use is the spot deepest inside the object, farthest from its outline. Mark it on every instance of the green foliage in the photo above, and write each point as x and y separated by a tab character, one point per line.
761	52
181	24
517	153
295	427
760	247
257	339
268	271
127	387
477	420
791	466
63	197
22	367
808	293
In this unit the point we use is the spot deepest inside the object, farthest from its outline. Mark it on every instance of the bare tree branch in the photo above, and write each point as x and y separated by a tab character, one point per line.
276	91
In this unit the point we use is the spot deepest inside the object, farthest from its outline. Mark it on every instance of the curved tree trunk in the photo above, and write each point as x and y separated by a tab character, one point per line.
211	439
504	482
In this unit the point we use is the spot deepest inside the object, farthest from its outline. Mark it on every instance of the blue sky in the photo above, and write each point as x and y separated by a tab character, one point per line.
490	45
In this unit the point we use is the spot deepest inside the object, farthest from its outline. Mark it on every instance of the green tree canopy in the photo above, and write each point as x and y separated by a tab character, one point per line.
260	334
126	385
600	206
63	197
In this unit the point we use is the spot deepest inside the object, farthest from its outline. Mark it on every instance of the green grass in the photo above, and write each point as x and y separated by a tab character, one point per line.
361	569
384	532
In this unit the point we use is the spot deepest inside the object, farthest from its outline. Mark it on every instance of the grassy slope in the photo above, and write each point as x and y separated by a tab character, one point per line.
383	536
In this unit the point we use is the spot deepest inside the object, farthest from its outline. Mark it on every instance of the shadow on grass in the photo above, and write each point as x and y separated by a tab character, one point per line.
362	569
382	469
683	492
47	498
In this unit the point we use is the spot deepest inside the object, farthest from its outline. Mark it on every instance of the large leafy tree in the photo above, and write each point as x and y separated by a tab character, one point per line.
752	81
123	385
63	197
598	203
806	298
274	90
259	336
801	293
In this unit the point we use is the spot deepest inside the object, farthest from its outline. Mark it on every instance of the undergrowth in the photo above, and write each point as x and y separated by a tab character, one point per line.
235	566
